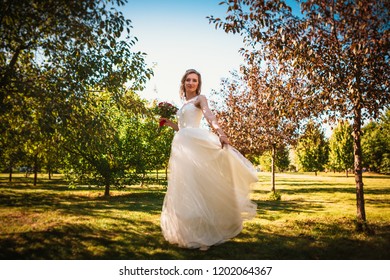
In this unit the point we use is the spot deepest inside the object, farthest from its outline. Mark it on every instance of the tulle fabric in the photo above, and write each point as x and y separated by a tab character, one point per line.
208	187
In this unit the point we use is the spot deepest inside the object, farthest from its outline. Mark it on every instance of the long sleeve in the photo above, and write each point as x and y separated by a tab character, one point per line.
210	117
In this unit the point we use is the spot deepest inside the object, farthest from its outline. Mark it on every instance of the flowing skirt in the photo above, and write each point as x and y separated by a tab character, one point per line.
208	191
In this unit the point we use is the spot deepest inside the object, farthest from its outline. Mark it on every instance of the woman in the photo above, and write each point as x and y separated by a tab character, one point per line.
209	182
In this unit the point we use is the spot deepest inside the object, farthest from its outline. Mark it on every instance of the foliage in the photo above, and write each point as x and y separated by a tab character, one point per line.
250	111
258	111
67	68
385	164
341	148
312	149
149	144
282	160
376	144
113	147
337	50
275	196
73	42
94	142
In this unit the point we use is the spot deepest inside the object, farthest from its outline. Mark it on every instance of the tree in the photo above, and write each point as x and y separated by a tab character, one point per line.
339	48
54	56
11	152
161	139
258	110
147	145
312	149
376	144
282	160
106	143
372	146
341	147
385	128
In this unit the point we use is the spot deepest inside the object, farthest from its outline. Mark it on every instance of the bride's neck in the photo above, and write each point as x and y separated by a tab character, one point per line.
190	95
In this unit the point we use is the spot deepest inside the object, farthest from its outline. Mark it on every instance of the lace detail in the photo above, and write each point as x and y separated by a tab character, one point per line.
189	115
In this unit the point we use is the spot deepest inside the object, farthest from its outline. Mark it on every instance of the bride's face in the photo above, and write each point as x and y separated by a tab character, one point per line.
191	83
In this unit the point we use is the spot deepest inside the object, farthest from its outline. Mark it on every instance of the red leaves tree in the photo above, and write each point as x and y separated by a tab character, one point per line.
339	48
259	111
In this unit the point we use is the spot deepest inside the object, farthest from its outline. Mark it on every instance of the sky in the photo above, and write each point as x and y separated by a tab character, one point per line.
176	36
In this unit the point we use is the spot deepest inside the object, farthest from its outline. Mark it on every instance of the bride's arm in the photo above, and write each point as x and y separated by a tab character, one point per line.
170	123
212	119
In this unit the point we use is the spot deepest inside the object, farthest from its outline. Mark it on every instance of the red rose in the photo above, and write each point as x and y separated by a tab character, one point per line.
162	122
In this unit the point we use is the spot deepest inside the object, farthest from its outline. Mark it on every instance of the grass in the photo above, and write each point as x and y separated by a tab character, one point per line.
315	219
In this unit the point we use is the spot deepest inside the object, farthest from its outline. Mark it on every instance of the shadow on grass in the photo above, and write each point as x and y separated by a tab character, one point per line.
145	201
82	242
331	241
129	237
292	206
105	227
72	241
313	188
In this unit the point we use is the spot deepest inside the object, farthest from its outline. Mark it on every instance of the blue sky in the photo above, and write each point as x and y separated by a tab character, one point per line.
176	36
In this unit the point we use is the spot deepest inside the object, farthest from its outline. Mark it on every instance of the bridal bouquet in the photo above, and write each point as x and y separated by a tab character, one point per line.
165	110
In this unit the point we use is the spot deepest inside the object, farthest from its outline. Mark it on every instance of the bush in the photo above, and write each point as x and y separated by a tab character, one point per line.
275	196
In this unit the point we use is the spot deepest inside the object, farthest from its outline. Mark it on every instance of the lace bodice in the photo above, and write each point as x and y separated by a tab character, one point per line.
189	115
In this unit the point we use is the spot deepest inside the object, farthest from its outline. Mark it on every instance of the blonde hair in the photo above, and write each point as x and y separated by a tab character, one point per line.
183	79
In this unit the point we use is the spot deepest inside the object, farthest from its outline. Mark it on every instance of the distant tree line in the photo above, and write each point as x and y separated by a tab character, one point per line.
314	152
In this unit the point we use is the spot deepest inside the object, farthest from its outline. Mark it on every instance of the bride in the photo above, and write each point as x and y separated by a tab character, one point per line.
209	182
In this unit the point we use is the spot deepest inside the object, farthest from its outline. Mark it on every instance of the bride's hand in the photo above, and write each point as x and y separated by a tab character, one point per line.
224	140
164	121
168	122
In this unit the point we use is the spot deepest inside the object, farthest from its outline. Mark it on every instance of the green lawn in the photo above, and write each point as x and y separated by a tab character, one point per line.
314	220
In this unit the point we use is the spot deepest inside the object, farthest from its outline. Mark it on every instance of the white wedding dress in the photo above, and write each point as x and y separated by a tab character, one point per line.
208	187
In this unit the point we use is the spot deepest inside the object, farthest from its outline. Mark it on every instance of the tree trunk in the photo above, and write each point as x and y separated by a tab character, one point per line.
357	150
35	170
273	168
143	179
49	171
107	190
10	172
9	68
